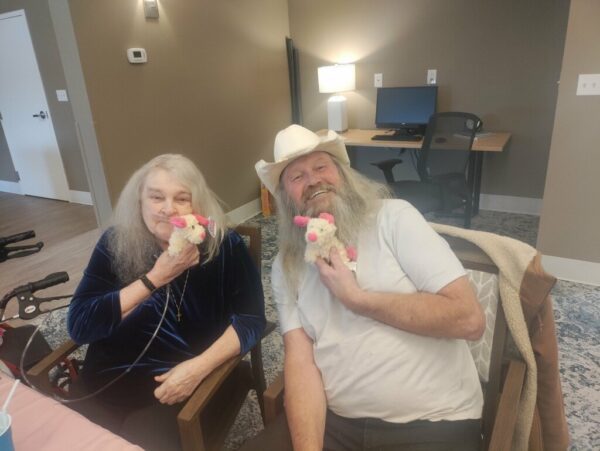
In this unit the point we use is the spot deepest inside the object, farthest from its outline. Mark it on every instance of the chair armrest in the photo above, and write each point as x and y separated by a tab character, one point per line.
192	435
206	390
190	430
209	386
274	399
506	415
38	374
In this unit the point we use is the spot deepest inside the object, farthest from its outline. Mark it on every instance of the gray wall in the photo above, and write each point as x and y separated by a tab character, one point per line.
570	220
46	50
500	60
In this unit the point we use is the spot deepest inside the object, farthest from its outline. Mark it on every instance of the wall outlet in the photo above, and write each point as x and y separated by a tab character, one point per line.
378	80
431	76
588	85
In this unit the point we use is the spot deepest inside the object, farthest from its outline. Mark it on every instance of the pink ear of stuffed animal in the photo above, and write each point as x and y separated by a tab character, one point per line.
178	221
202	220
301	221
327	217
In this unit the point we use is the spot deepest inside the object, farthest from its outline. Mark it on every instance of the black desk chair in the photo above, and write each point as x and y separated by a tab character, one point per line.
441	165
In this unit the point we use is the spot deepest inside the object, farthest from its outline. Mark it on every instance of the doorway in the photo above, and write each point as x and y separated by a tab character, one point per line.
24	113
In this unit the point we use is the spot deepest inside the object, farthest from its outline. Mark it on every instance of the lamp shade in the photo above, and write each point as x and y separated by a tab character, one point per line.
336	78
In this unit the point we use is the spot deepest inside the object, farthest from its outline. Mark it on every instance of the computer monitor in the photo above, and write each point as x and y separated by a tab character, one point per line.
405	109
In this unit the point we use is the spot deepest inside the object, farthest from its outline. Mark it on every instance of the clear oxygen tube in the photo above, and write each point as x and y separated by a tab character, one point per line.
109	383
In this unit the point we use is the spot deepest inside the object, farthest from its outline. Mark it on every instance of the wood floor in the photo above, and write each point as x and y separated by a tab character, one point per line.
68	231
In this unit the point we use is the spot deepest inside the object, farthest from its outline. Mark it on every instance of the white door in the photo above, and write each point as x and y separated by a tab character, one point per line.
24	109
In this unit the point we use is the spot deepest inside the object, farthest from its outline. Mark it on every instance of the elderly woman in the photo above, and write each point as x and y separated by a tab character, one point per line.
214	302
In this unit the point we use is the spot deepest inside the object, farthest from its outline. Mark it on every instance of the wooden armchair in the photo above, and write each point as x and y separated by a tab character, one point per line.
502	377
206	417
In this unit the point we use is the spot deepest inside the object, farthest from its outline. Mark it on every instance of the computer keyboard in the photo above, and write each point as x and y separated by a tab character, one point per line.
397	138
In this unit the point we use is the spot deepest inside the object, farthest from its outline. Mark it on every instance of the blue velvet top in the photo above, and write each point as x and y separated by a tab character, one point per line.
225	291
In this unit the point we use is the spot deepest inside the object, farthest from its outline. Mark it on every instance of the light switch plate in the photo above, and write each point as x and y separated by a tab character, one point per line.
61	95
588	85
378	80
431	76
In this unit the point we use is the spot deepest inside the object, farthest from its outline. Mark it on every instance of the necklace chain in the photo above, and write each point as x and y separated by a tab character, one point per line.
179	304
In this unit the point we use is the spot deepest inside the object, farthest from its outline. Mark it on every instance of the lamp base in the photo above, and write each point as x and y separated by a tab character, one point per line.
337	119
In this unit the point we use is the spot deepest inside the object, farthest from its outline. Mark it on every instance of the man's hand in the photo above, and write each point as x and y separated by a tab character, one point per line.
179	382
167	267
340	280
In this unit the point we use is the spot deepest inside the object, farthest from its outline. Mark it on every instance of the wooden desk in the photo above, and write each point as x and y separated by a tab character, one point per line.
492	142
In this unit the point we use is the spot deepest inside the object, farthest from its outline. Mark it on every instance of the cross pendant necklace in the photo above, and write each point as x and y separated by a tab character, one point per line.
178	305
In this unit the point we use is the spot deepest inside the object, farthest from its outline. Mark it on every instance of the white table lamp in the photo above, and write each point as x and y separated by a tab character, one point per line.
336	79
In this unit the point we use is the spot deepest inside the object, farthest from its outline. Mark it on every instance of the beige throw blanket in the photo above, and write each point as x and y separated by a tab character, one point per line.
512	257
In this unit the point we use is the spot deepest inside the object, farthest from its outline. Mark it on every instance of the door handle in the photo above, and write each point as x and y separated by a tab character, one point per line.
41	115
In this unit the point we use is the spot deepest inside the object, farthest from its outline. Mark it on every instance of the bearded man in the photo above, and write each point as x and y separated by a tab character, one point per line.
376	358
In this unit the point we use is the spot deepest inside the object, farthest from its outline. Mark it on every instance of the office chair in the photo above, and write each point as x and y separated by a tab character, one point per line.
441	165
209	412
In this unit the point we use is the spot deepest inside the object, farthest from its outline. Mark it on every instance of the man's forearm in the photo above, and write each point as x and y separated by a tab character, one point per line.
452	313
420	313
305	406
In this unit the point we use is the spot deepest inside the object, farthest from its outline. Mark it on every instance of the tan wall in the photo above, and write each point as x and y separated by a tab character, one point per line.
53	78
215	86
500	60
570	221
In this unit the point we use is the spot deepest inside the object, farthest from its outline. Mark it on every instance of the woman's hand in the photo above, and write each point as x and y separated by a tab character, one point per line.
167	268
179	382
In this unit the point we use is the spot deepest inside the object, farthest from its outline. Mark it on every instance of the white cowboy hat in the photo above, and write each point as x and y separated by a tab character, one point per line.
293	142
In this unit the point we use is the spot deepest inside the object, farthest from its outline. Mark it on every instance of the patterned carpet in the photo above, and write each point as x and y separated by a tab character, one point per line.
577	312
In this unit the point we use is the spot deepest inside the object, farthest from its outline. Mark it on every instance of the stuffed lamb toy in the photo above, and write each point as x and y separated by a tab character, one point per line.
188	228
320	238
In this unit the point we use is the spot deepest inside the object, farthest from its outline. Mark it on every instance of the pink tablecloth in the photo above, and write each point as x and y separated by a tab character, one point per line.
40	423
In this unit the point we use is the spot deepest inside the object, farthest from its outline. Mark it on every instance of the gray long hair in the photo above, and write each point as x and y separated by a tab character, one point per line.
353	208
131	244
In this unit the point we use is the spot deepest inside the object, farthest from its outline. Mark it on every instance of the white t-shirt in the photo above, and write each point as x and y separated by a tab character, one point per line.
370	369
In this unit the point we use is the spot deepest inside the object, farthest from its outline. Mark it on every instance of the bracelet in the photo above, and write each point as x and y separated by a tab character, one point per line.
148	283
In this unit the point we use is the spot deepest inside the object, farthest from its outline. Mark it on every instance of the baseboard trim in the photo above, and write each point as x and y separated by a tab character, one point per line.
578	271
511	204
10	187
244	212
81	197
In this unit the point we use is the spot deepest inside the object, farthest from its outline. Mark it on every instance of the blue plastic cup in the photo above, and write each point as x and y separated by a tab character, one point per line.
6	442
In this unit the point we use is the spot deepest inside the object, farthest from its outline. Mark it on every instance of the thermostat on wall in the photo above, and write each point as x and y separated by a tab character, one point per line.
137	55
